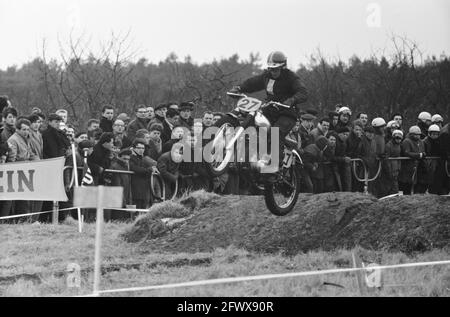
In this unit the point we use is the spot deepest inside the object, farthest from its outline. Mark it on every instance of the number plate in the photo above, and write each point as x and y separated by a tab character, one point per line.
249	104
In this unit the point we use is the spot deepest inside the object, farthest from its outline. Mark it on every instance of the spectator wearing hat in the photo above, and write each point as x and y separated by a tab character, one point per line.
173	105
140	180
393	150
160	114
106	121
140	122
424	122
121	140
390	127
442	181
322	129
379	187
186	119
437	120
124	117
306	125
413	171
55	141
100	159
63	114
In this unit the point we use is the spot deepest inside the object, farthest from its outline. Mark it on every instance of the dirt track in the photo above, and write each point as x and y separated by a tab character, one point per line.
327	221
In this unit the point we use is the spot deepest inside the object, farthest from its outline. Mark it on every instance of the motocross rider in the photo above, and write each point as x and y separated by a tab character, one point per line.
281	85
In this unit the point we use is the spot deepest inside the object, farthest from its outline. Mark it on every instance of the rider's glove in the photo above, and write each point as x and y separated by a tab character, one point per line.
236	90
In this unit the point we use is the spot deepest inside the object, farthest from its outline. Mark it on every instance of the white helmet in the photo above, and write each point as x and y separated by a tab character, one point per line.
434	128
437	118
424	116
378	122
276	59
345	110
415	130
399	132
390	123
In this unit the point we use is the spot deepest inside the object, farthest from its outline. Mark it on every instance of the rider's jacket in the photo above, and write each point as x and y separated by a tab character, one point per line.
287	87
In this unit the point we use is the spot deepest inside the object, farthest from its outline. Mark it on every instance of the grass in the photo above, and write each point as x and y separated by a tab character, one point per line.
34	259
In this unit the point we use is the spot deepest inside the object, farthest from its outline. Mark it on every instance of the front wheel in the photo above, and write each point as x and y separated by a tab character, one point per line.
281	195
221	157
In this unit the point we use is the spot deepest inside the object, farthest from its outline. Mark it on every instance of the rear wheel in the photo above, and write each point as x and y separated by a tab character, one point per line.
221	157
282	194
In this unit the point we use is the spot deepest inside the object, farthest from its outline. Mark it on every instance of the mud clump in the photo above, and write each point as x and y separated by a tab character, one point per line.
327	221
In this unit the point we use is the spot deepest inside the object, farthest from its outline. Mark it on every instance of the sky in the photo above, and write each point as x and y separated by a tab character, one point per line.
212	29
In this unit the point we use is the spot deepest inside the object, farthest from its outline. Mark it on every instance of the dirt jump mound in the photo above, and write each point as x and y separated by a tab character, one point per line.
202	222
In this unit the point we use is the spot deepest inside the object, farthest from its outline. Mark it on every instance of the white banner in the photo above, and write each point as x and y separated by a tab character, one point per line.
33	180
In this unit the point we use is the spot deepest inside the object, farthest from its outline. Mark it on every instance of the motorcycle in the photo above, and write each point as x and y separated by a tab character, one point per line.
281	188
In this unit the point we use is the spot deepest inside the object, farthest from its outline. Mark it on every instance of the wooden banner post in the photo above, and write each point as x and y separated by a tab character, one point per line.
100	197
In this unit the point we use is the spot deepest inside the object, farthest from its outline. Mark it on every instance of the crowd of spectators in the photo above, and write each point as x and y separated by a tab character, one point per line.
142	143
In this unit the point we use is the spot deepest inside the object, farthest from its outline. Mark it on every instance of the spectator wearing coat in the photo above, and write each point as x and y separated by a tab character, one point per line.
172	120
413	172
106	121
168	166
393	150
186	119
100	159
321	130
55	141
121	163
140	122
434	167
140	180
121	140
9	116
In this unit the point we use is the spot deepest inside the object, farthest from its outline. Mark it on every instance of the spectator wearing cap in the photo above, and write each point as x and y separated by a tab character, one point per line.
121	140
140	122
413	171
344	118
80	136
140	180
186	119
393	150
106	121
173	105
322	129
160	114
63	114
9	116
306	125
100	159
55	141
390	127
121	163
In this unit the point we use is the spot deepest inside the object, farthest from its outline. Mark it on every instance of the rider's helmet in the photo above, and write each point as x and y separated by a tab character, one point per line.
276	59
378	122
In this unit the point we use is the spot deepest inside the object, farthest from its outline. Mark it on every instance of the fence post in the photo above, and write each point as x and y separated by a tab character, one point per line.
55	212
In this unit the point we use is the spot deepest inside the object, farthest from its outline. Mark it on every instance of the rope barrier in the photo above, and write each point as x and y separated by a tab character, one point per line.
34	213
266	277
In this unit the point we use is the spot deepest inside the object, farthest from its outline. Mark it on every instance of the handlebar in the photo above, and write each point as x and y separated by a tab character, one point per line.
238	95
279	104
